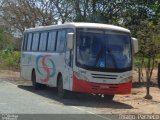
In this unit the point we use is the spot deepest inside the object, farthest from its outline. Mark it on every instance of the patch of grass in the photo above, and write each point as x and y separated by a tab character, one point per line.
9	59
138	61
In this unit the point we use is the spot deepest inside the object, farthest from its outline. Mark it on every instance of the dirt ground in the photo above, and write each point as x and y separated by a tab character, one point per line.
132	103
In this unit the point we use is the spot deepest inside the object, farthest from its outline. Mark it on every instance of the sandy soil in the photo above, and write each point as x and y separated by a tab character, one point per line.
154	76
133	103
137	103
13	77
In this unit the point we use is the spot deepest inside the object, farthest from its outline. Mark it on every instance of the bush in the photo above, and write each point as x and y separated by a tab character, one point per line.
9	59
138	61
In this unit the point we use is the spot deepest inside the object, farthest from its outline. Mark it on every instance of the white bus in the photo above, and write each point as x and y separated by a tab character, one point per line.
81	57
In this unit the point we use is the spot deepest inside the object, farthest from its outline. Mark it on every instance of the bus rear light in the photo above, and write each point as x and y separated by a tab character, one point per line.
80	76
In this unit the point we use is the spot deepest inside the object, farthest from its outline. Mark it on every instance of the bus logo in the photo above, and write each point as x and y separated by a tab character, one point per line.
47	65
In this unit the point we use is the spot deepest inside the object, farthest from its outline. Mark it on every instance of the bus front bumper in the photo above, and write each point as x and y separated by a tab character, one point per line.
96	88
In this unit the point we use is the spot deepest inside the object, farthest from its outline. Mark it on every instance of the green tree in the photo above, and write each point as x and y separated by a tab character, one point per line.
22	14
140	10
6	39
149	37
101	11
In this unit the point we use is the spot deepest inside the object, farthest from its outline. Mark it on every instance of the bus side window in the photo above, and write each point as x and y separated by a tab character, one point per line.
43	41
35	41
29	41
25	42
61	40
51	41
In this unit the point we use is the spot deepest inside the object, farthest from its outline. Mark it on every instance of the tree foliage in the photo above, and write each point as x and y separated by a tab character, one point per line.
23	14
149	36
6	39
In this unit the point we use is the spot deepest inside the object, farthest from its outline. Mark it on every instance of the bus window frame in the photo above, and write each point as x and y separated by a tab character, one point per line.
50	31
104	70
26	34
30	43
25	39
33	41
39	49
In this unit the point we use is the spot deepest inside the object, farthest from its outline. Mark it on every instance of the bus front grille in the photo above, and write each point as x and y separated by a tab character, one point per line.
104	76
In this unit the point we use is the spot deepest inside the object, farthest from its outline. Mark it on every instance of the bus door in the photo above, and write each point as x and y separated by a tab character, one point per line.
68	69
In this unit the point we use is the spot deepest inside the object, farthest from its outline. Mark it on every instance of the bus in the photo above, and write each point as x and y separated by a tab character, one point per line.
80	57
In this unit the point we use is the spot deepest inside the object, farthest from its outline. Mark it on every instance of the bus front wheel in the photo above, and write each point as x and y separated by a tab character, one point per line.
105	97
108	97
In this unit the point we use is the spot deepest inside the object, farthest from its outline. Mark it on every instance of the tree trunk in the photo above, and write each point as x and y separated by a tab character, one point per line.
158	78
139	74
148	96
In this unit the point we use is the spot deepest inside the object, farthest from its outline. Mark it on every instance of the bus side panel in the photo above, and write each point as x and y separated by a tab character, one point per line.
68	77
47	67
26	65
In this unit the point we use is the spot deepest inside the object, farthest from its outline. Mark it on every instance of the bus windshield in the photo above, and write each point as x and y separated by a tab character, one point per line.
103	50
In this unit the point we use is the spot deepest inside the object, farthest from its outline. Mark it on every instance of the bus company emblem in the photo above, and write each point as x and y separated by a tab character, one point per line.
47	63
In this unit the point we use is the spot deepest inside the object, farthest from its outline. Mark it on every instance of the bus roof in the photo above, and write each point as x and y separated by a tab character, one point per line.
79	25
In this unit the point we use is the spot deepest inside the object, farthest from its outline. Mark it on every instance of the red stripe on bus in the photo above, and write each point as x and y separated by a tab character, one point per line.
95	88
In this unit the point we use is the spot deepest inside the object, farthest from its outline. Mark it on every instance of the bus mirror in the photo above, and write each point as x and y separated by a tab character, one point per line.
70	38
135	45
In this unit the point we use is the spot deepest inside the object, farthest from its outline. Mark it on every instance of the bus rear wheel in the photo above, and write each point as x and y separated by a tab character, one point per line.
62	93
35	85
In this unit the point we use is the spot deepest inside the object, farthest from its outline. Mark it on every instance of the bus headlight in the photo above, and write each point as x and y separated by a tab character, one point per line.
127	79
80	76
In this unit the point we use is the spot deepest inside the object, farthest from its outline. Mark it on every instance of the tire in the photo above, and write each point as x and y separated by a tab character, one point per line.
105	97
35	85
108	97
61	92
